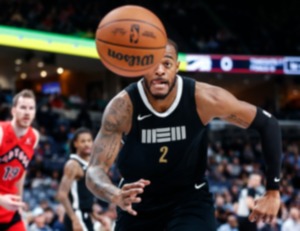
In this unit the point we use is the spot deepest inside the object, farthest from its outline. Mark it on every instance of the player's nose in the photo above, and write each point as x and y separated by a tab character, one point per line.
160	70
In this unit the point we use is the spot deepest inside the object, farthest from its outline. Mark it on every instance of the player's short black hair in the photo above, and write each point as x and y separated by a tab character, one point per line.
174	44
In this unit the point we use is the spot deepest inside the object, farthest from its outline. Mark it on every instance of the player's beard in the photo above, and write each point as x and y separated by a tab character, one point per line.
160	96
22	124
84	153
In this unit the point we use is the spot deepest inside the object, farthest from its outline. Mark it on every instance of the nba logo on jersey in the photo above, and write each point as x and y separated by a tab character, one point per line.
162	135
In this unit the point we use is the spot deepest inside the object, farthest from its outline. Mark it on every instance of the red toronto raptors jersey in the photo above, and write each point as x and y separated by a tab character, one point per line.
15	155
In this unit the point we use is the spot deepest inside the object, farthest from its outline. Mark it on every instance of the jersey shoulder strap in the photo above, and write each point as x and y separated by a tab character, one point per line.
80	161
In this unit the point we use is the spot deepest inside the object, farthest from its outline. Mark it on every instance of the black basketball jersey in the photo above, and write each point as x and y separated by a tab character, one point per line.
81	198
168	148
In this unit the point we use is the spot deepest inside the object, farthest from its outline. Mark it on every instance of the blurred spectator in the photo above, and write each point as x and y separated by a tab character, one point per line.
273	226
56	101
61	137
230	225
59	222
83	118
220	210
293	222
246	202
46	117
49	216
39	221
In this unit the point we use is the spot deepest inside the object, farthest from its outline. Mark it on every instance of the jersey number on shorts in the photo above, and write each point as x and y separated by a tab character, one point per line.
163	150
10	173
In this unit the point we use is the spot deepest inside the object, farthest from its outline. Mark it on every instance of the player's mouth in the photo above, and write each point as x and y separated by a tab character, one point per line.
87	150
159	83
26	119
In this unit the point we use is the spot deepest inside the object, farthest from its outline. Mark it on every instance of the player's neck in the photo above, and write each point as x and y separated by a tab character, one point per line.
163	104
84	157
19	131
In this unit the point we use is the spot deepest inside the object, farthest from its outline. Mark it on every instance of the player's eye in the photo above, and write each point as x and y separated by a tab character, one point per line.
168	64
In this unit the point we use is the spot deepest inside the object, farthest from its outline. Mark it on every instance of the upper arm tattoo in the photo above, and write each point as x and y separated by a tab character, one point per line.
107	143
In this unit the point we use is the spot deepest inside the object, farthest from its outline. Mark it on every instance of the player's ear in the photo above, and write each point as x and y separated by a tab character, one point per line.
13	111
177	66
75	143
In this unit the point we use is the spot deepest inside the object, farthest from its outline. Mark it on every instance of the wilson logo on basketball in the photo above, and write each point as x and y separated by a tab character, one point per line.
132	60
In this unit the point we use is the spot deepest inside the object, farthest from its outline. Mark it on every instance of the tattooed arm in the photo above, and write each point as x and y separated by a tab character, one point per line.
215	102
116	121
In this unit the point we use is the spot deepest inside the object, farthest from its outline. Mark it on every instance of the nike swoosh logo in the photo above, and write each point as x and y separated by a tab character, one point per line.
139	118
198	186
276	179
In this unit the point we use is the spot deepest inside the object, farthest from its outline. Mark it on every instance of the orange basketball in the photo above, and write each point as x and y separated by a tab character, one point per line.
130	40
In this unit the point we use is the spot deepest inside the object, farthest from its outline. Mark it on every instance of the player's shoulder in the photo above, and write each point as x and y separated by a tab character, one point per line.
208	92
207	87
3	127
121	100
36	133
72	169
4	124
118	113
37	136
71	165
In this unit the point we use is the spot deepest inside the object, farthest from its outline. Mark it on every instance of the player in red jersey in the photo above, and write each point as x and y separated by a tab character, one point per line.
17	142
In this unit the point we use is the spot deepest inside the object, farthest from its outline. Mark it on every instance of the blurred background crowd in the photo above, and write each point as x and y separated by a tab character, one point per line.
233	155
198	26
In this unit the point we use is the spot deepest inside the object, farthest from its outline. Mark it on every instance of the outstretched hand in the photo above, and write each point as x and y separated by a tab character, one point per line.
129	195
11	202
266	207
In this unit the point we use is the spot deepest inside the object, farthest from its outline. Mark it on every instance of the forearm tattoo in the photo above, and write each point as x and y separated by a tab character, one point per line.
236	120
106	147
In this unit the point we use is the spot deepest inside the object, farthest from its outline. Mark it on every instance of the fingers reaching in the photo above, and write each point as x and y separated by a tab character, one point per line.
129	195
265	209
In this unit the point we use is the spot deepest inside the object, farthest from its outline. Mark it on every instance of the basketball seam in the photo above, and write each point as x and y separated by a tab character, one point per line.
134	20
120	45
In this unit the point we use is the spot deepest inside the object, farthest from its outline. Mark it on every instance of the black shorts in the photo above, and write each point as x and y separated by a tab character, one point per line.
84	218
16	218
192	210
246	225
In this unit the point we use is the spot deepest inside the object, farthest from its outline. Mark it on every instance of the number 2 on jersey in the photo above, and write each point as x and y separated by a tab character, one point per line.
164	150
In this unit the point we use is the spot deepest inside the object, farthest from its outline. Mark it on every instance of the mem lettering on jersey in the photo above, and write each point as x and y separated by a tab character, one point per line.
162	135
15	153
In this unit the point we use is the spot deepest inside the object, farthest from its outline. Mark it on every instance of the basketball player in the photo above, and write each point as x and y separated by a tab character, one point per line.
163	121
72	192
17	142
